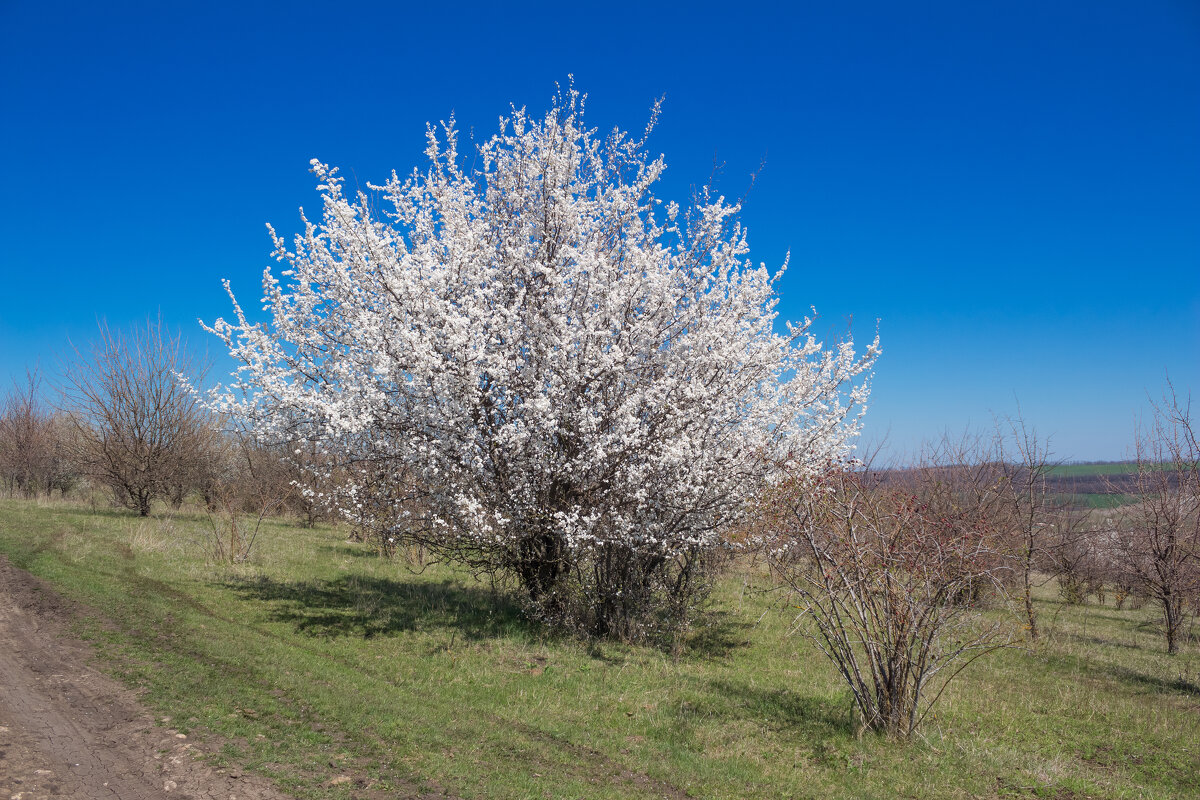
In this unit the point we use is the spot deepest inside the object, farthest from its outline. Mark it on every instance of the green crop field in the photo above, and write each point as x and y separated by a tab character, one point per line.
1095	499
1099	470
1087	470
341	675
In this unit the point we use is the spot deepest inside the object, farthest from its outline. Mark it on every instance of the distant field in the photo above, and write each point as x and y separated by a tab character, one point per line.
1105	485
1088	470
340	675
1095	499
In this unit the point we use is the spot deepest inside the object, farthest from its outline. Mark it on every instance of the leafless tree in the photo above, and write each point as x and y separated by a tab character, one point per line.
286	471
1158	535
888	573
138	429
241	491
33	452
1024	460
1077	552
296	471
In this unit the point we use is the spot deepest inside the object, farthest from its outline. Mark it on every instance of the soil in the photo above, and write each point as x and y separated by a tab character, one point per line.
66	730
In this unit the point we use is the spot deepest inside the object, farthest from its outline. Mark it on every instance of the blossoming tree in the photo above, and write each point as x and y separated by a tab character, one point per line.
577	385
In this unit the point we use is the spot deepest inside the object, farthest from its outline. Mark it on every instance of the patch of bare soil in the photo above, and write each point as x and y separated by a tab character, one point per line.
66	730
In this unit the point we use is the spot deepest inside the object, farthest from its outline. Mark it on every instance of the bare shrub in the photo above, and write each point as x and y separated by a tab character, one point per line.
1076	551
137	429
1158	535
888	574
1024	461
239	500
33	443
311	476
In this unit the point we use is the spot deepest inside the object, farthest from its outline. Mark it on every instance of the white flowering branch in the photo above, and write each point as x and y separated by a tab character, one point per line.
559	361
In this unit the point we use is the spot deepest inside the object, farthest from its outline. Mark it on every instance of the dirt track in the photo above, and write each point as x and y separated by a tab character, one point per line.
66	730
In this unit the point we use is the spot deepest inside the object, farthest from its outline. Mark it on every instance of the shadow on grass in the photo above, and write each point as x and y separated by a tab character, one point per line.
1113	615
366	607
347	550
1100	641
1119	672
779	709
106	512
716	635
1152	682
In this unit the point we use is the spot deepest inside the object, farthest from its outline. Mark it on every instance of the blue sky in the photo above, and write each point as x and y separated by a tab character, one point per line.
1012	189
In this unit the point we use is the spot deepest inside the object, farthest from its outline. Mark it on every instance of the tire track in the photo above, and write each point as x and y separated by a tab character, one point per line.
67	730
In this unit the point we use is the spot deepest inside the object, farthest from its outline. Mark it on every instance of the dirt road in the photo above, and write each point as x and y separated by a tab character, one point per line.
66	730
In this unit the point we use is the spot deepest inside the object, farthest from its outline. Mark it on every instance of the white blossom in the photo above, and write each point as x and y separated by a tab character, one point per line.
538	344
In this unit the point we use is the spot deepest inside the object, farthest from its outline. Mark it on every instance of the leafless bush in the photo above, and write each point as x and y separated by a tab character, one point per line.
1024	460
888	575
309	474
137	429
241	490
287	471
1076	551
33	443
235	521
1158	535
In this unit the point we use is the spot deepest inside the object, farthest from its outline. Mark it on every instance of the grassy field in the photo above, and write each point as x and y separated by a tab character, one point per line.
340	675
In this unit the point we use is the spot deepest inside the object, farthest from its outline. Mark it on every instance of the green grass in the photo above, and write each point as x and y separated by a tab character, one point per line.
317	661
1097	501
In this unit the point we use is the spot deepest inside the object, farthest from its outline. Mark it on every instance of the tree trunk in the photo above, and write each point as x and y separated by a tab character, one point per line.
1030	550
1029	613
1173	617
540	563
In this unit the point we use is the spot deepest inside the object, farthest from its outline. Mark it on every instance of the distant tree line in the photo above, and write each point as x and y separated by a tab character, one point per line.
35	452
125	421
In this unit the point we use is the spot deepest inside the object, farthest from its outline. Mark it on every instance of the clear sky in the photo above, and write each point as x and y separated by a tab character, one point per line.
1011	188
